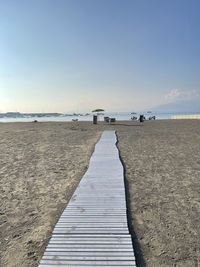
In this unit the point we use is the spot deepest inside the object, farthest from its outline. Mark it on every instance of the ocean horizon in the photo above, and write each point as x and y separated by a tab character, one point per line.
120	116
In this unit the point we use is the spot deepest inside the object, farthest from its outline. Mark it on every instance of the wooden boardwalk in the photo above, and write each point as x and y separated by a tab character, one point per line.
93	230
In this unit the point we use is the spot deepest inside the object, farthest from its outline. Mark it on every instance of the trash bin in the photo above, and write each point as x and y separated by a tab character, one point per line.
94	119
141	118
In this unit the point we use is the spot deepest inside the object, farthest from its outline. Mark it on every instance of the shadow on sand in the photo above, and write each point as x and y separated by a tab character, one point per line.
140	262
123	124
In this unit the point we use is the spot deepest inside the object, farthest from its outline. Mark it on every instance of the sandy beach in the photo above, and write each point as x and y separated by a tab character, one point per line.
41	164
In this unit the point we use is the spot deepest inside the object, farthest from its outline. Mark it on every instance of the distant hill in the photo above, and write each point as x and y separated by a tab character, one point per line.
179	106
28	115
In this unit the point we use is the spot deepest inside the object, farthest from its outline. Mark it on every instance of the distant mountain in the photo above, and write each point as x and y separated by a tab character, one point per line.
28	115
180	106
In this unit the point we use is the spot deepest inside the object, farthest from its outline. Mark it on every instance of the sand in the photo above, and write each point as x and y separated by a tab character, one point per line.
42	163
162	161
40	166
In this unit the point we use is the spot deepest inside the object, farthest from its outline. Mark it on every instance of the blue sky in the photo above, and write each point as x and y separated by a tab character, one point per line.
77	55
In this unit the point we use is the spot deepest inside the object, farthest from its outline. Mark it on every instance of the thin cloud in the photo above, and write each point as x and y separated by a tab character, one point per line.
178	94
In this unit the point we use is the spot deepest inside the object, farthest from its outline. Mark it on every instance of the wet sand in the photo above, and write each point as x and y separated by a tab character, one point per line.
42	163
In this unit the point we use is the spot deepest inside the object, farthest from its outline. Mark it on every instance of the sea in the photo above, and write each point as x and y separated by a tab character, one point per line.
120	116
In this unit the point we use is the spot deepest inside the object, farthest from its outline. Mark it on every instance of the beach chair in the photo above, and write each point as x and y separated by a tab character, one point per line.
107	119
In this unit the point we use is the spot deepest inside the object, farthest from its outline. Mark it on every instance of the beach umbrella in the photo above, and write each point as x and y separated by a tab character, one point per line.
98	110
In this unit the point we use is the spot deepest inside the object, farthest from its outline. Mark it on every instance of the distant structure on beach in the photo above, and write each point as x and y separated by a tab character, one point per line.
189	116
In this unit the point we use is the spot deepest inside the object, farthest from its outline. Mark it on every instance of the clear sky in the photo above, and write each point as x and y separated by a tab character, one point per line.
77	55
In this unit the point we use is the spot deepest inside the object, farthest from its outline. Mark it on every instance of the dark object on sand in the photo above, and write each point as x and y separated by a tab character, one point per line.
141	118
107	119
74	119
112	120
134	118
94	119
152	118
35	121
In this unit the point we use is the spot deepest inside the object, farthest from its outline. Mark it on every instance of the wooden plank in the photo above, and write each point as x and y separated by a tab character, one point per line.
85	262
104	257
55	263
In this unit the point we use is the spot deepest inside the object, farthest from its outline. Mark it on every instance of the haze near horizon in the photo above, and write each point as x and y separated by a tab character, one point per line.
75	56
